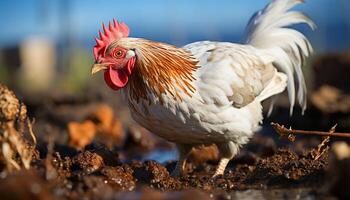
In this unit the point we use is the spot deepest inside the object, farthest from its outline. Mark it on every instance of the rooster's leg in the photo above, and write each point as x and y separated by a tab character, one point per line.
227	151
184	150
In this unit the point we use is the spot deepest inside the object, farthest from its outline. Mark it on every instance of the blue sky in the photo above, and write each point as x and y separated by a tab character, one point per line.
173	21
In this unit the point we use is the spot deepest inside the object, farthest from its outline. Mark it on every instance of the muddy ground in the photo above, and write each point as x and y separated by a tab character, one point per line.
88	148
130	163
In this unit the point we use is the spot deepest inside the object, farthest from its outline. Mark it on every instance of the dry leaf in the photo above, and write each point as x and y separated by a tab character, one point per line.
81	134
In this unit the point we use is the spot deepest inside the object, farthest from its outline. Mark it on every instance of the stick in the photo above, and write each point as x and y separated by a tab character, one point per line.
30	129
281	130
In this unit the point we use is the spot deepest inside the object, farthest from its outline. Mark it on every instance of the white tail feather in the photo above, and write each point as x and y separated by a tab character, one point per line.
275	86
267	30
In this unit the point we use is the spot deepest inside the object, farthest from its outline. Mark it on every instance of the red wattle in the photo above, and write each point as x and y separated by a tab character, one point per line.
116	79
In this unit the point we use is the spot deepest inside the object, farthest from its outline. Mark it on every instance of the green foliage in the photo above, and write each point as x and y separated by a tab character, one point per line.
77	75
4	74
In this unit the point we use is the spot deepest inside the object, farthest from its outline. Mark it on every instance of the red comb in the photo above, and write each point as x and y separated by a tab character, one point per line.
112	33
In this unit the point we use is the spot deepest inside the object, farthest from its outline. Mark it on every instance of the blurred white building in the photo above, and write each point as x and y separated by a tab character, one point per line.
38	60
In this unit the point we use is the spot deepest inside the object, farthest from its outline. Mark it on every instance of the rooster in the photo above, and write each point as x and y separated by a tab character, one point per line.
207	92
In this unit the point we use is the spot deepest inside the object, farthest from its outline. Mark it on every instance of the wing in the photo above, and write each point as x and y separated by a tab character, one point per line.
233	73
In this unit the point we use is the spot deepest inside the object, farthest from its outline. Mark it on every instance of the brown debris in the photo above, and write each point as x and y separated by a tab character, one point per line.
100	124
12	141
323	147
81	134
9	105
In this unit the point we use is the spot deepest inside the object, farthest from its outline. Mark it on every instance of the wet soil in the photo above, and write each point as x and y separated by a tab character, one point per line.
120	160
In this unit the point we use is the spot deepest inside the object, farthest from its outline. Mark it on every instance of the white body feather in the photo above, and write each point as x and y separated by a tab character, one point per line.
232	81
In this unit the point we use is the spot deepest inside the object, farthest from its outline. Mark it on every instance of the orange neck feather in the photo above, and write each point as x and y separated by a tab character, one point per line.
161	68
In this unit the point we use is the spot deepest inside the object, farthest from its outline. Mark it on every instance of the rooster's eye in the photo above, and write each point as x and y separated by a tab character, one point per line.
118	53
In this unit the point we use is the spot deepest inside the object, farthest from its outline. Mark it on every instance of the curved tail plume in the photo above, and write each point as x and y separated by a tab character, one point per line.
267	30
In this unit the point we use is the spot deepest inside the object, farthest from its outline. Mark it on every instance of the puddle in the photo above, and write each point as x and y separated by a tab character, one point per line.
161	155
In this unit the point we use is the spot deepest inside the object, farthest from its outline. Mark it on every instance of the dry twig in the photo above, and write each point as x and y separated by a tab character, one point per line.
321	149
30	129
283	131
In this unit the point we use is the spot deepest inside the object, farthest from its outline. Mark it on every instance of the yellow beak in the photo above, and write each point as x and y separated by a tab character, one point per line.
98	67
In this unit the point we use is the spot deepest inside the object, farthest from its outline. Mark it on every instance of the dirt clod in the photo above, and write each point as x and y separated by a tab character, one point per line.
120	177
88	162
285	167
154	174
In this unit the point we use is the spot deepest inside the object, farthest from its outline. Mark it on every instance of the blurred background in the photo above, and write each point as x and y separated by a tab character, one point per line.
46	46
46	58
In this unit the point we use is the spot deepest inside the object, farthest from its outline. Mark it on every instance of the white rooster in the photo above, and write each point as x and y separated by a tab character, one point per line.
207	92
